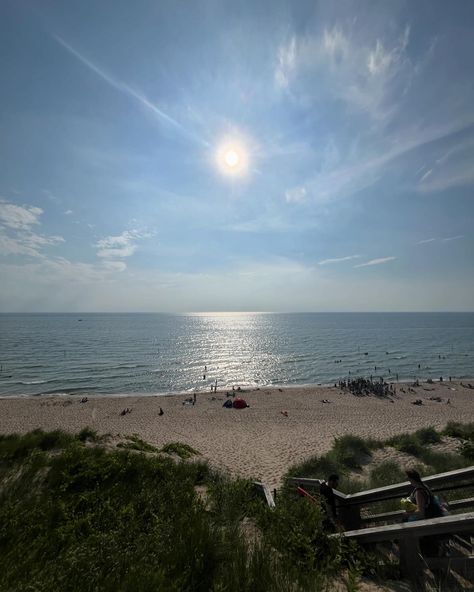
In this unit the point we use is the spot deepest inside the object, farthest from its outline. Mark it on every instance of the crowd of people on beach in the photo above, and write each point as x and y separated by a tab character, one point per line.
367	386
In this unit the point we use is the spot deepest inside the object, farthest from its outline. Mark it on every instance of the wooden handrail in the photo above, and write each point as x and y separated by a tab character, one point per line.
392	491
265	491
397	515
418	528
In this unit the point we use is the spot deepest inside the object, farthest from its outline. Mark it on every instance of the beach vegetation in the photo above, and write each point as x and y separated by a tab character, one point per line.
455	429
184	451
385	473
467	450
407	443
351	451
428	435
89	435
79	518
134	442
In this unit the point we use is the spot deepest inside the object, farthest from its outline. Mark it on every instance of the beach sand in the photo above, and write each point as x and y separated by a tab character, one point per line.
258	442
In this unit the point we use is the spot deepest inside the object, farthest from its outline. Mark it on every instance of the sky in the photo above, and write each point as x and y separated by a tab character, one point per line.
171	156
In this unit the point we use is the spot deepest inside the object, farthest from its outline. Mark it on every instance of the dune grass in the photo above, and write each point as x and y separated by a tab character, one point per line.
349	454
76	517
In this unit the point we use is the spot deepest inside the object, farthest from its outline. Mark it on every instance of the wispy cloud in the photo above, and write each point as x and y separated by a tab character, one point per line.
362	72
338	259
453	168
128	90
426	175
425	241
379	261
296	195
452	238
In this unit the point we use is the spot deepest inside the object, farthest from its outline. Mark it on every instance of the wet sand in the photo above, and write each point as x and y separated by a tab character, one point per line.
258	442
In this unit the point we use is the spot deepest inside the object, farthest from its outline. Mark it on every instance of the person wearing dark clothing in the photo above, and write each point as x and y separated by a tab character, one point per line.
326	491
427	506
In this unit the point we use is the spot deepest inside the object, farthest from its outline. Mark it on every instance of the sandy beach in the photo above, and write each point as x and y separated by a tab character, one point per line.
258	442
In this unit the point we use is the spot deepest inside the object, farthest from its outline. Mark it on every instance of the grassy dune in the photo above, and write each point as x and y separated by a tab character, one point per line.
80	514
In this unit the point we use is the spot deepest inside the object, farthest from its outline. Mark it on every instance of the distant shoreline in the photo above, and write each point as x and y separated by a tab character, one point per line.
223	389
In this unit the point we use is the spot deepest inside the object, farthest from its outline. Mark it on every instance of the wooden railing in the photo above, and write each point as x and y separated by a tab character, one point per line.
349	505
408	534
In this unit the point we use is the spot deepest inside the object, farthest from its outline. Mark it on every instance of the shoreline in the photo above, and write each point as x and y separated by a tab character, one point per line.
223	389
259	442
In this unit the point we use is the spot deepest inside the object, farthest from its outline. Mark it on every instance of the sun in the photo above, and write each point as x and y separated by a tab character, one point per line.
232	157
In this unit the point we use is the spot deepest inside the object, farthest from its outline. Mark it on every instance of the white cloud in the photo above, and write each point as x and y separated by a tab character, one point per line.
376	261
453	168
16	235
115	265
425	241
68	212
296	195
119	246
338	259
379	60
453	238
426	175
131	92
285	63
19	217
345	64
279	285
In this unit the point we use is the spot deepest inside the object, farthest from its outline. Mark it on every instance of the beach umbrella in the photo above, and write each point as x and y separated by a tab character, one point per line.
239	403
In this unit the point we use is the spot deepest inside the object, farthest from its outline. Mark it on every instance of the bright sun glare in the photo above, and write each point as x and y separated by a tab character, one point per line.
232	158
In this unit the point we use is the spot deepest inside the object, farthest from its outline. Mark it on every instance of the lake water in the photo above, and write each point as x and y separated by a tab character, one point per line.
162	353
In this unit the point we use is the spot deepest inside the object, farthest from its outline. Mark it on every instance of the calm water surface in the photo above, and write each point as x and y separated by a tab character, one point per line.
162	353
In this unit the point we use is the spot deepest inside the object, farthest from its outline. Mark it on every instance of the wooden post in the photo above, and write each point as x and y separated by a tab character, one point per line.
411	563
349	515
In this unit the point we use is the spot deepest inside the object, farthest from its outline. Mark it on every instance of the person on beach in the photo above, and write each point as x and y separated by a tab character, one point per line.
326	490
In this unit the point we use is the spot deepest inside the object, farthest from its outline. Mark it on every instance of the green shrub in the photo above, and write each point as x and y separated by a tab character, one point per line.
182	450
407	443
441	462
136	443
88	434
316	467
386	473
428	436
459	430
467	450
349	451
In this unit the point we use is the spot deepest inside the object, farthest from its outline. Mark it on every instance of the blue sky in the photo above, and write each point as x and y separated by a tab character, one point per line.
354	128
